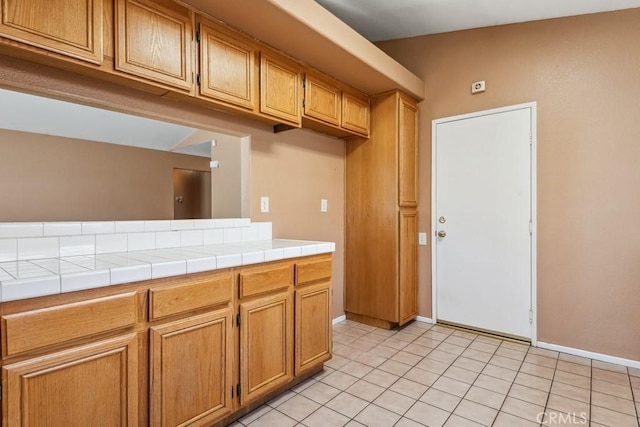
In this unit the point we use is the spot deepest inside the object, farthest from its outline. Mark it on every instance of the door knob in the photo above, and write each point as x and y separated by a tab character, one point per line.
441	233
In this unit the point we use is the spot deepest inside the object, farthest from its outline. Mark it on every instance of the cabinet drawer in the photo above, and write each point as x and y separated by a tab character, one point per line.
265	280
313	270
189	296
40	328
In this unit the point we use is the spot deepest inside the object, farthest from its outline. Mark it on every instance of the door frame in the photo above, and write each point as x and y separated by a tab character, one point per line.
534	205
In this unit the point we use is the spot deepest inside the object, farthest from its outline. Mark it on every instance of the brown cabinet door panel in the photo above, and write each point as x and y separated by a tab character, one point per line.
322	100
227	68
355	113
407	152
69	27
96	383
280	88
313	326
408	261
155	42
266	345
191	369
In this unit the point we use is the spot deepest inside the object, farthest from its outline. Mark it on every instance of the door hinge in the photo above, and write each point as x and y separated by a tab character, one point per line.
530	316
238	391
232	390
238	320
303	103
198	79
530	138
197	36
530	227
304	82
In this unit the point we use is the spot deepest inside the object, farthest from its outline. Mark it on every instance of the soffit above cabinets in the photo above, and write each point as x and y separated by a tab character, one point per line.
310	33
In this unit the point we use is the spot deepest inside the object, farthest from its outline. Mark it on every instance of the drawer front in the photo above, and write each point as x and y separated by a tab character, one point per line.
40	328
265	280
313	270
182	298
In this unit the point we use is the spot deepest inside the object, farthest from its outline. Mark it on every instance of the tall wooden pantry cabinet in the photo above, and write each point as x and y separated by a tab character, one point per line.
381	205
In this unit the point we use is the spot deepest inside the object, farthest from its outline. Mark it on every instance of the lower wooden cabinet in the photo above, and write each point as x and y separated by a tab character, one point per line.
191	369
82	386
266	345
206	346
313	344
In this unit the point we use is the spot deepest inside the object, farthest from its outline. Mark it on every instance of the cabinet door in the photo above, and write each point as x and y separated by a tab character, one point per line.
155	42
408	261
70	27
355	113
280	88
313	326
322	100
227	68
95	383
407	152
191	368
266	345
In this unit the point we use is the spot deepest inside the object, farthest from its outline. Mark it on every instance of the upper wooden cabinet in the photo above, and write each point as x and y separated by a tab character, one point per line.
322	99
355	113
228	67
69	27
280	87
154	41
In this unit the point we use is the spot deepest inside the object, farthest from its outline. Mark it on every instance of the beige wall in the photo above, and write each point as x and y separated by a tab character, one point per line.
50	178
584	74
295	169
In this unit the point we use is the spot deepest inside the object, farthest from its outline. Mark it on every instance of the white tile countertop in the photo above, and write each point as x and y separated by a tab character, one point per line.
30	278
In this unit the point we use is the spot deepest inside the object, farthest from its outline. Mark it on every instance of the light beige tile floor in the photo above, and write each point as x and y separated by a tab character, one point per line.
426	375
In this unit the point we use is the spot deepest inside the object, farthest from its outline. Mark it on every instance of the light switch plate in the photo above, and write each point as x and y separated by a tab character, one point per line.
422	239
324	205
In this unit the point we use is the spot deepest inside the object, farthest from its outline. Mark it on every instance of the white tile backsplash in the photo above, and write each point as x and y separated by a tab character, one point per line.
214	236
182	224
21	229
110	243
191	238
250	233
168	239
157	225
129	226
62	228
232	235
141	241
38	248
77	245
99	227
8	250
264	230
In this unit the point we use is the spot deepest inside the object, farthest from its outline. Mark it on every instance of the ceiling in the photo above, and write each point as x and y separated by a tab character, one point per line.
35	114
385	20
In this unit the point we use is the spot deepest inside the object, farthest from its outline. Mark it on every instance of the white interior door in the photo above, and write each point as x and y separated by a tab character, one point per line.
483	211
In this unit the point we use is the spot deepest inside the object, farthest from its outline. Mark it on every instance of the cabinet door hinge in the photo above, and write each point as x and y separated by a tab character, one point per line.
238	391
530	316
198	79
197	36
304	82
232	391
238	320
303	103
530	227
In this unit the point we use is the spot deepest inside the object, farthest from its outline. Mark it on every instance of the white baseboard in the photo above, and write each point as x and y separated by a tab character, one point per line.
591	355
339	319
424	319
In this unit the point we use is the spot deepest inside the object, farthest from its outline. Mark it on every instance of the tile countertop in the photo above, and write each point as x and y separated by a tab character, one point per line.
34	278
